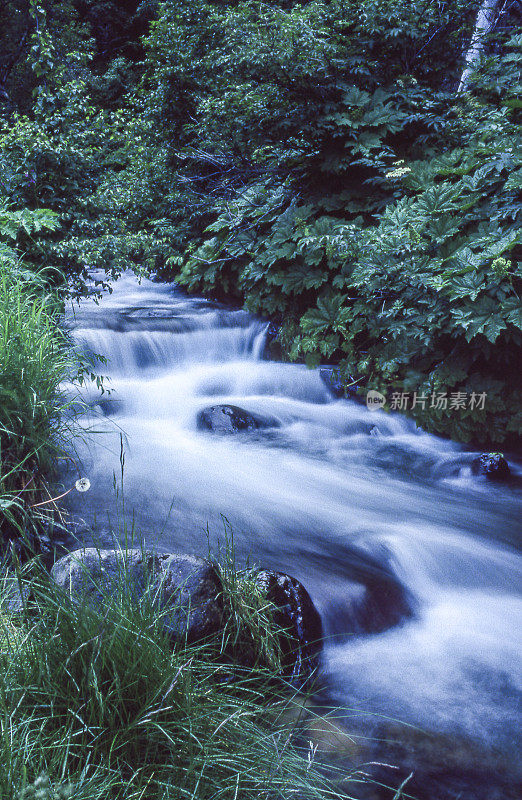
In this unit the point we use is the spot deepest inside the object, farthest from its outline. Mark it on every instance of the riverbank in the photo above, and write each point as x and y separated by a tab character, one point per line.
99	700
35	359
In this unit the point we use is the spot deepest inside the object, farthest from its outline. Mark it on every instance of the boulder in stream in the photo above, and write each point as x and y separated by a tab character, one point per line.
188	591
368	604
493	465
227	419
298	616
383	604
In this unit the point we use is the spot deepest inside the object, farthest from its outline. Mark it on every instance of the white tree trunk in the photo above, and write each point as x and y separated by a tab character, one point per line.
483	25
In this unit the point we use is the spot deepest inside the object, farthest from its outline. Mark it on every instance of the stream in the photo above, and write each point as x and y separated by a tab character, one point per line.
336	495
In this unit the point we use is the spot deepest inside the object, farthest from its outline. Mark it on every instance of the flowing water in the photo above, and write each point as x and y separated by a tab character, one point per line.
334	494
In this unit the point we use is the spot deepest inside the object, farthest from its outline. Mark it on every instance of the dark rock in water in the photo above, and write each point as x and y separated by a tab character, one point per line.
188	591
109	406
299	617
273	349
492	465
384	604
330	378
232	419
193	588
187	588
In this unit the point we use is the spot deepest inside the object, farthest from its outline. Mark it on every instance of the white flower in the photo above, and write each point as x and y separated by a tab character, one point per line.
398	172
83	485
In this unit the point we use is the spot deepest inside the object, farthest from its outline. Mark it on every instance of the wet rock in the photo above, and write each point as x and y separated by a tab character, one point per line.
383	605
15	595
192	587
186	588
493	465
188	591
273	349
299	617
226	419
330	378
108	406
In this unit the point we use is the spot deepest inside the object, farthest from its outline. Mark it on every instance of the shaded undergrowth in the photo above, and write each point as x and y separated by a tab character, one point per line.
36	361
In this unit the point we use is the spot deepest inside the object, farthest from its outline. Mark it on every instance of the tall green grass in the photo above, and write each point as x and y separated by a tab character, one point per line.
250	630
34	360
107	704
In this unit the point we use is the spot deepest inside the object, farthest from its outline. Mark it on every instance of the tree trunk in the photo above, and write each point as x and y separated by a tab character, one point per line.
483	25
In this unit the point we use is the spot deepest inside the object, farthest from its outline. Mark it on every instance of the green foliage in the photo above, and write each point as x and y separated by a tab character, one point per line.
312	160
388	239
34	360
109	704
82	155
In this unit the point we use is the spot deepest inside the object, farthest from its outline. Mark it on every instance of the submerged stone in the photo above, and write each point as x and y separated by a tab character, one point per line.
370	604
227	419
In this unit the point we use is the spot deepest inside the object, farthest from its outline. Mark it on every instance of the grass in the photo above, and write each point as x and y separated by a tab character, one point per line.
105	706
34	360
250	628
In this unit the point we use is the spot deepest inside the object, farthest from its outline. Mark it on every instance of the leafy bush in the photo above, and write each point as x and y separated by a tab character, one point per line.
388	242
313	160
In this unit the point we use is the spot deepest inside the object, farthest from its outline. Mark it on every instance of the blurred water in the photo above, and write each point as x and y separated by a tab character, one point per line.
334	492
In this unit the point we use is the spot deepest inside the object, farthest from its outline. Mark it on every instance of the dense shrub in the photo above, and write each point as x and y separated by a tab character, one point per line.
375	211
312	160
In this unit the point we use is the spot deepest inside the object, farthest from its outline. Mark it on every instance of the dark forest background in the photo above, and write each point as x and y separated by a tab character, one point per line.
332	165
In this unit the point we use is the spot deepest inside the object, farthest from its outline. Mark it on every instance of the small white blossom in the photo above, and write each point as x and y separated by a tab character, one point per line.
398	173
